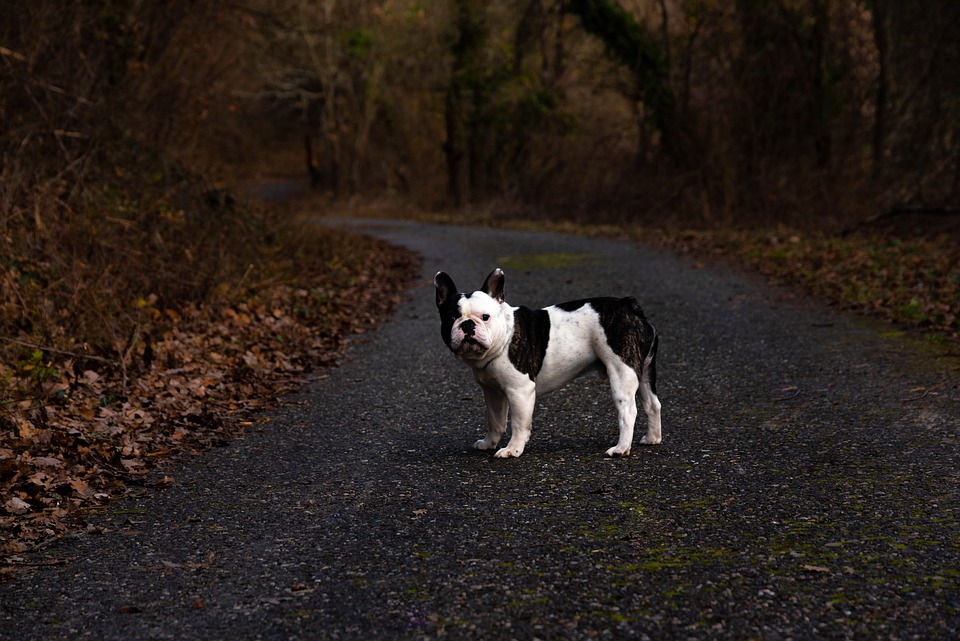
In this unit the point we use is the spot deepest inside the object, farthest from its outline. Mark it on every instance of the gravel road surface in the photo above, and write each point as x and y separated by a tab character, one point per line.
808	485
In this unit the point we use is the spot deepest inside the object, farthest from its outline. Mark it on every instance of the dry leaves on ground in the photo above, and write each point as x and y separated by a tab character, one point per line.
91	430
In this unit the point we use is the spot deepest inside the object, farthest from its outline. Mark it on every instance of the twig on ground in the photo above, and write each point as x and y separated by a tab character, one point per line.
57	351
796	393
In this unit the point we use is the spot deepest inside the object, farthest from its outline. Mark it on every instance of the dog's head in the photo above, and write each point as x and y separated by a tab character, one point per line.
474	326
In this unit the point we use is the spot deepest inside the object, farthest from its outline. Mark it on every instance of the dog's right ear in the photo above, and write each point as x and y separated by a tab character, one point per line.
445	288
493	285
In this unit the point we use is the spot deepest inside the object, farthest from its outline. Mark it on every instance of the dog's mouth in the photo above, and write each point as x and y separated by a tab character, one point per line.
470	344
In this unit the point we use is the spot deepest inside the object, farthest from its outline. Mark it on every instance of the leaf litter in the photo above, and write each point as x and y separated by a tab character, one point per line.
86	432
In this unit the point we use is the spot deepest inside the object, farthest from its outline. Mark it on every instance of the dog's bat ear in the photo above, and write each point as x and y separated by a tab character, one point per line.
445	288
493	286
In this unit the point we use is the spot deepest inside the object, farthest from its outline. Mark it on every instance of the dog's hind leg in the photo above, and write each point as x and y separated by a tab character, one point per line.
651	407
649	399
623	388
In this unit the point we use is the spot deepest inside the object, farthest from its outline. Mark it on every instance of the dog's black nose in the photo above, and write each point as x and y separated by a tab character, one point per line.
468	327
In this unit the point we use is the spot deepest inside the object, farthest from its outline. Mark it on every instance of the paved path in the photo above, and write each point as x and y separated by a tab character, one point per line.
797	493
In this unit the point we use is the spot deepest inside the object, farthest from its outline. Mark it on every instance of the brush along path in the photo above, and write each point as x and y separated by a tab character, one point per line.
807	486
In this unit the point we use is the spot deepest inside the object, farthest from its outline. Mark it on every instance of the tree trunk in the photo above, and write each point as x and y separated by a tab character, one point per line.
455	146
882	41
821	83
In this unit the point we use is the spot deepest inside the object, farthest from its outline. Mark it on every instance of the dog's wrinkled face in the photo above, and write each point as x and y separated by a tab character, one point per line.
472	325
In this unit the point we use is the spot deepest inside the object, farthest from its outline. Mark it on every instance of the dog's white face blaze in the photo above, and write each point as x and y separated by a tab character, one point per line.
481	330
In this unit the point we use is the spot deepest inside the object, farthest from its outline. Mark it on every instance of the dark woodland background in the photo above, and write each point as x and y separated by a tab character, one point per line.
682	112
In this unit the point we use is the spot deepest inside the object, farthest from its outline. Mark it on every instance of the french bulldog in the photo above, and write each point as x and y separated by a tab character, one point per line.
517	353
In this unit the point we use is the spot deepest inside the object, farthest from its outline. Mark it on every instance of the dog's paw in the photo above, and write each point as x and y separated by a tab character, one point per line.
616	450
508	452
650	440
484	444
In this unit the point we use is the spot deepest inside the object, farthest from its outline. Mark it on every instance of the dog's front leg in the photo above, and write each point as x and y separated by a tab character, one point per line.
522	402
497	405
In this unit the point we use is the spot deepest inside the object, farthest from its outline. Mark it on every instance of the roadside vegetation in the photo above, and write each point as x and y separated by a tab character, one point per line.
147	309
912	281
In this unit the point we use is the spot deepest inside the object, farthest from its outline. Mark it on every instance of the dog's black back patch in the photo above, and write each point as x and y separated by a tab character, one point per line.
531	333
574	305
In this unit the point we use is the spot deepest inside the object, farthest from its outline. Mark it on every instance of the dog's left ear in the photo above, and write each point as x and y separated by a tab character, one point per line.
493	286
445	288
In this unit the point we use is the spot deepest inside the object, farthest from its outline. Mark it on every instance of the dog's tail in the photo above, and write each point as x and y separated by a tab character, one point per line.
650	363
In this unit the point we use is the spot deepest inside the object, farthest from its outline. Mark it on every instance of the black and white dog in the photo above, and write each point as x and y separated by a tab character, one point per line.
517	353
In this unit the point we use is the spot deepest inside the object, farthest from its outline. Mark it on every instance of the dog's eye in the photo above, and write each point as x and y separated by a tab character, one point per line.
485	317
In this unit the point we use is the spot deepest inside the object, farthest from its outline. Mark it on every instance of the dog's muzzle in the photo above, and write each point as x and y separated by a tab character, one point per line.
468	341
468	327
